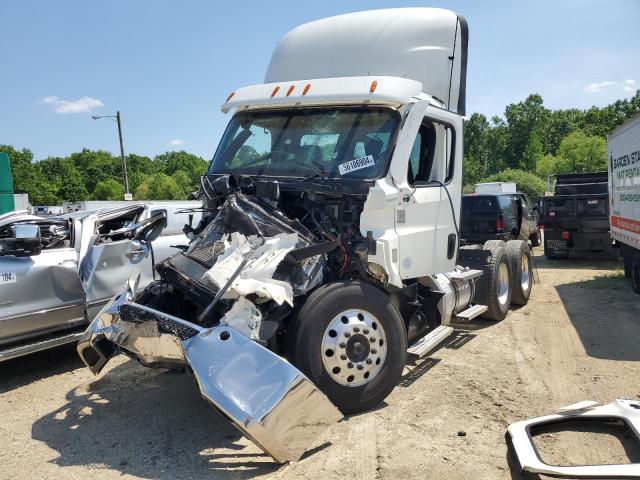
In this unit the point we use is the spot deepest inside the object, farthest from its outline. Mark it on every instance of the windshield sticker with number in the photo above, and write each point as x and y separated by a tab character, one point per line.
357	164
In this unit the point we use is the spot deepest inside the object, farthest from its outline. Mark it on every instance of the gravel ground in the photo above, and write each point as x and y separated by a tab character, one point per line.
577	339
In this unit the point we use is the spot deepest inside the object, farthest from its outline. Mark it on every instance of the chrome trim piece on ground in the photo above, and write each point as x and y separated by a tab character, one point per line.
263	395
627	411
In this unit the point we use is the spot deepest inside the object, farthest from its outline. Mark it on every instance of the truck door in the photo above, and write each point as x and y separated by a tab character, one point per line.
113	254
39	293
431	192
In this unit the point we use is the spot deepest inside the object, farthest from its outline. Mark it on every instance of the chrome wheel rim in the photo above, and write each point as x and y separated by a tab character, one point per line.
354	347
503	283
525	268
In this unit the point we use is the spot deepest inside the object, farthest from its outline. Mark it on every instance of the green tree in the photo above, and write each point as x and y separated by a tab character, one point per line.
583	153
109	189
183	181
524	119
170	162
527	182
97	166
64	179
160	187
532	152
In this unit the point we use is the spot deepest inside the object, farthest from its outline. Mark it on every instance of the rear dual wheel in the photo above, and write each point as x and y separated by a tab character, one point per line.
351	341
521	261
493	288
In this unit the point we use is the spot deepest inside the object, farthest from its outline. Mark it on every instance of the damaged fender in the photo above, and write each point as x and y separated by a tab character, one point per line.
263	395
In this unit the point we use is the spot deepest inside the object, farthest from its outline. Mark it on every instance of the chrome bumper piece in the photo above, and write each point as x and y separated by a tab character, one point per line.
263	395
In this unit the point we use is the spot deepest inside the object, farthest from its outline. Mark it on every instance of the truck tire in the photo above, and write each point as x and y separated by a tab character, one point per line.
635	272
521	271
535	239
351	341
493	288
627	258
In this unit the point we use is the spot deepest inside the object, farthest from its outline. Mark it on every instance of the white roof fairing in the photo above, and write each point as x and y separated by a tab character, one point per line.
428	45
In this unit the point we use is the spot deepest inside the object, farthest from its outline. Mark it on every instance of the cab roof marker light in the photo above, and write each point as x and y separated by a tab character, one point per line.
373	86
306	88
291	89
275	90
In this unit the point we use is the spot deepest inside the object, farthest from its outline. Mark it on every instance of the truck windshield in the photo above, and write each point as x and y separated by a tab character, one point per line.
351	143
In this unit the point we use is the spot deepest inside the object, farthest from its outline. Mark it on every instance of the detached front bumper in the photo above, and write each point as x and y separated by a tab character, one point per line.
263	395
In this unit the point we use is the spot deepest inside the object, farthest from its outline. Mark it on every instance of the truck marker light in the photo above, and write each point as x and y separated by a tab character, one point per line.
306	88
291	89
565	235
275	90
373	86
499	224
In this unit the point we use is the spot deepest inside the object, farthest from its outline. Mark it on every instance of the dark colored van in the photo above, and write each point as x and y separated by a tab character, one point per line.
501	216
576	218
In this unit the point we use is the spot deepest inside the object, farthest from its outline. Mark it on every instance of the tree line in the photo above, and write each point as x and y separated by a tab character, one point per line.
98	175
528	144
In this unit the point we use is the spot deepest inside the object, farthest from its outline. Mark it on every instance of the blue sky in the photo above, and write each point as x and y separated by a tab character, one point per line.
168	65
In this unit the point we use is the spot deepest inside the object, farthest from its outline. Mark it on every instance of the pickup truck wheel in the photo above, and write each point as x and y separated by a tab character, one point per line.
351	341
635	272
521	271
494	286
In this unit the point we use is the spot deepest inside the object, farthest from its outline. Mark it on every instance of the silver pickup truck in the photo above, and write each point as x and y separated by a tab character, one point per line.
57	272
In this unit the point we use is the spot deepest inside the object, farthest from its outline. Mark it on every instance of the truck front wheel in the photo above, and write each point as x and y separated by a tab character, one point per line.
351	341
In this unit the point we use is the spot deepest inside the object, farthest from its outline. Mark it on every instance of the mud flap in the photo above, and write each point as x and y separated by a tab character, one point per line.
263	395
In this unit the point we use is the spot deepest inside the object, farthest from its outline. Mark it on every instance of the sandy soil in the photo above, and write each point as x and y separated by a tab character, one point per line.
577	339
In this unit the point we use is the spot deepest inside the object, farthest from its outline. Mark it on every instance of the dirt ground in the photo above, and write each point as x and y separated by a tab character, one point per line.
577	339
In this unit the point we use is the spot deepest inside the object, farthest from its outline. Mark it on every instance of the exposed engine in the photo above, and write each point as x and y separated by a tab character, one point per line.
253	222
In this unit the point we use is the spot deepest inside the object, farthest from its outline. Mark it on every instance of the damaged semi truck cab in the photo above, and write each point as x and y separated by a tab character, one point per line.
330	246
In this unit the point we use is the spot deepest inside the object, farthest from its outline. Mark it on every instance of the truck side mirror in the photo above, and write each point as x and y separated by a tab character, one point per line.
24	242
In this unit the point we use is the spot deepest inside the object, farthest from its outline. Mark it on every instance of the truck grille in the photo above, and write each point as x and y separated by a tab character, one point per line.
134	314
191	269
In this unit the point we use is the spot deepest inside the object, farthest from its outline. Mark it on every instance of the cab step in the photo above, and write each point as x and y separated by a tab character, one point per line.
430	341
471	313
36	346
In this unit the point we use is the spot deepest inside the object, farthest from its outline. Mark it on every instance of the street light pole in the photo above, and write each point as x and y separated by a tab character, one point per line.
127	195
124	160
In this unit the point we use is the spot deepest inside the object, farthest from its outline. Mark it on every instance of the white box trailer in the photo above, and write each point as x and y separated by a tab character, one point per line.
624	194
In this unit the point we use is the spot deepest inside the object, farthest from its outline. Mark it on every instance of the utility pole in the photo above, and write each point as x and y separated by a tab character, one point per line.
124	160
127	194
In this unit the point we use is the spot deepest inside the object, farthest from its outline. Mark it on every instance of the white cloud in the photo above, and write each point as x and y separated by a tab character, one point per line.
596	87
176	142
81	105
630	85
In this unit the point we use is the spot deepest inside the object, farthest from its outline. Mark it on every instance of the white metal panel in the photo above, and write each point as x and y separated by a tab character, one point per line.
624	183
424	44
496	187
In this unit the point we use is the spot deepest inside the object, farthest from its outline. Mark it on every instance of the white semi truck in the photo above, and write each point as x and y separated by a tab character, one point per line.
331	246
624	195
